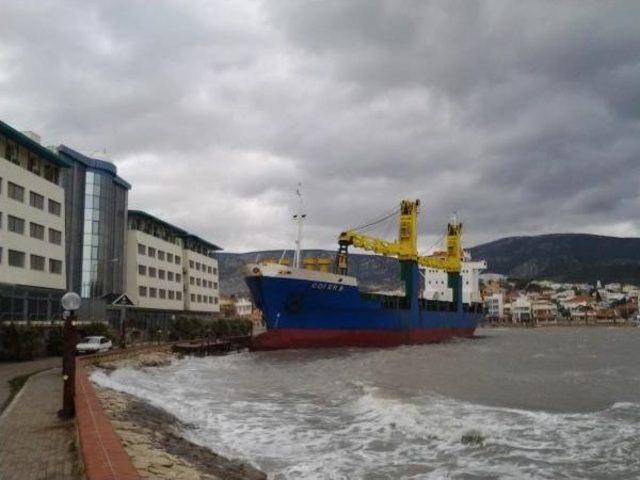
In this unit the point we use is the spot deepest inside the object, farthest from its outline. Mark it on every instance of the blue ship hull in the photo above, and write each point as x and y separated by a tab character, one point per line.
301	313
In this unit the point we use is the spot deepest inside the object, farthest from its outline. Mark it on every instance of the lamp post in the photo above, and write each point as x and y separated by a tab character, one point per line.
70	303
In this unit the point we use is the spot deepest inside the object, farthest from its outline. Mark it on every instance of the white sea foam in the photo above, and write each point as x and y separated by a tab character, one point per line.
306	418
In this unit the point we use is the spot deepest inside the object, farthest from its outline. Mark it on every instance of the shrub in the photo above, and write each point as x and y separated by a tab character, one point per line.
20	342
55	341
189	328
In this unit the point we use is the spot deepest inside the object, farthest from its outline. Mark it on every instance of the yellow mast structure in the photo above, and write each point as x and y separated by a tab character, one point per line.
405	248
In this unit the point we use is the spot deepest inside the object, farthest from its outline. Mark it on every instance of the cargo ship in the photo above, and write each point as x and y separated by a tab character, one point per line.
315	307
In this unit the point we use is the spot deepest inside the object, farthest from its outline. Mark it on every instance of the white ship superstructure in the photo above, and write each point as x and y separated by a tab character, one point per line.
435	281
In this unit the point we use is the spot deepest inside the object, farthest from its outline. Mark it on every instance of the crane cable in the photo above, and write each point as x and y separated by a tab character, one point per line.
440	239
375	222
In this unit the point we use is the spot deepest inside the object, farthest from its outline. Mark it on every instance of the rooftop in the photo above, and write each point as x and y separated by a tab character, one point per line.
93	163
30	144
176	230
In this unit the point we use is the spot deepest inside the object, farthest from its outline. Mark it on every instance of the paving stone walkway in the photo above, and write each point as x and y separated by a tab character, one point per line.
34	443
15	369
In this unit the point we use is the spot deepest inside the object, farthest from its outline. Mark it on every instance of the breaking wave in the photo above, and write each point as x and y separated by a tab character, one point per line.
306	418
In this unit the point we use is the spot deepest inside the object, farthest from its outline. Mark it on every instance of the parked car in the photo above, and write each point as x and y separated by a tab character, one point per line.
94	345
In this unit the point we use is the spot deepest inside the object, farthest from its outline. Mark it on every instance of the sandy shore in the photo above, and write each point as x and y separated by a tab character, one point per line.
152	436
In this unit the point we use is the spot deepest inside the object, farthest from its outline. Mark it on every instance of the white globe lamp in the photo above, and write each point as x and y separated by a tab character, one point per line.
70	301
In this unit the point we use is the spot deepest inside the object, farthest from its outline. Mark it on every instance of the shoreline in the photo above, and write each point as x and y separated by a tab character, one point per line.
556	325
153	437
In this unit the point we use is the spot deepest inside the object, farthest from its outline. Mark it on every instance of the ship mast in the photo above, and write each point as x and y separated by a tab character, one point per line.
299	218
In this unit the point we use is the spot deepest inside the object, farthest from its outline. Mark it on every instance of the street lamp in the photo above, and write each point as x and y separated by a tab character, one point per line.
70	303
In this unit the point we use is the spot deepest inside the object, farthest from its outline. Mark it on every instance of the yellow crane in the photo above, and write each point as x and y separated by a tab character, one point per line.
405	248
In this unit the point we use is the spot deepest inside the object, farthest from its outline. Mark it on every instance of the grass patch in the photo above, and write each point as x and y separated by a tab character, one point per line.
15	385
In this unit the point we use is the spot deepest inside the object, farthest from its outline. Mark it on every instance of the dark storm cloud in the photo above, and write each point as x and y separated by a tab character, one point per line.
522	116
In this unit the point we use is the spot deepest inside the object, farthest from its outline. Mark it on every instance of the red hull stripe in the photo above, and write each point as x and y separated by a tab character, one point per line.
299	338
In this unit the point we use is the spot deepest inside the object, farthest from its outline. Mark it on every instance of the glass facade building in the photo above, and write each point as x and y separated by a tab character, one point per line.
105	208
96	200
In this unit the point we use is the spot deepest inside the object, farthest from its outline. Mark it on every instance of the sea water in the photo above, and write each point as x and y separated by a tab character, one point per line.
513	403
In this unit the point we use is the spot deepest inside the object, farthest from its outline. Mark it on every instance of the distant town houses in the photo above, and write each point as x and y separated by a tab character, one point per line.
544	302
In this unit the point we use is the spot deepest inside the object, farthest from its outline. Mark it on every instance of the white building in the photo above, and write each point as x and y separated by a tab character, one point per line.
544	311
168	269
32	225
521	310
494	306
201	281
435	282
243	307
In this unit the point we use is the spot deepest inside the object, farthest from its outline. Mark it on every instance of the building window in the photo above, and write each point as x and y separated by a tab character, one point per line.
142	250
16	225
37	262
178	295
210	299
152	252
55	236
215	300
55	266
36	231
152	292
178	277
170	257
198	266
52	173
177	259
210	284
170	294
16	258
55	208
160	255
192	281
142	291
142	270
161	274
33	165
199	298
193	297
170	276
198	282
215	285
152	272
36	200
191	264
16	192
215	271
11	152
162	293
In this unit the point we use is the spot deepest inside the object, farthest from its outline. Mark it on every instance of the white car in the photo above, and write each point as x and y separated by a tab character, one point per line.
94	345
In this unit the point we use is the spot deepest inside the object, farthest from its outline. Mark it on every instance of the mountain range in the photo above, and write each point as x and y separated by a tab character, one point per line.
572	257
566	257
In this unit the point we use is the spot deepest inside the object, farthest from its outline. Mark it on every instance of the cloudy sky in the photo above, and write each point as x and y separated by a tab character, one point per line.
522	116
